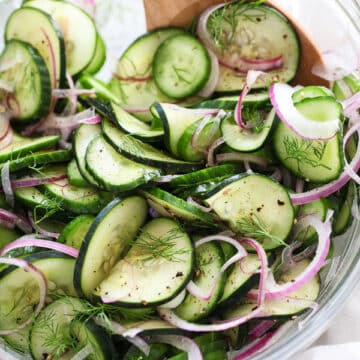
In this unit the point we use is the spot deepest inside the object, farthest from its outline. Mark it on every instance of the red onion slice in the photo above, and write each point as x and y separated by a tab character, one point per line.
35	181
6	184
132	78
348	168
175	302
15	220
180	342
280	97
261	328
211	84
68	93
40	278
191	201
251	78
31	240
40	230
235	62
213	147
4	125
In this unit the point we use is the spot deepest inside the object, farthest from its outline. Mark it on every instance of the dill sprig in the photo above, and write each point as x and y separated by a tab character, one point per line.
251	226
153	247
305	152
47	208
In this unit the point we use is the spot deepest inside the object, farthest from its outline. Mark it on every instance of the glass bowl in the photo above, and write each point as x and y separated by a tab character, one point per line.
336	31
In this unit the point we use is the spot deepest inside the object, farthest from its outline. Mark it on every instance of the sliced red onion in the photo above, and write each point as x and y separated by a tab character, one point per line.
254	347
251	78
205	120
213	147
4	125
83	353
68	93
277	174
9	64
261	328
35	181
235	156
31	240
180	342
15	220
134	110
65	145
355	211
235	62
332	187
6	184
7	139
40	230
211	84
299	186
118	329
248	168
40	277
175	302
191	201
351	107
274	290
165	178
132	78
52	57
280	97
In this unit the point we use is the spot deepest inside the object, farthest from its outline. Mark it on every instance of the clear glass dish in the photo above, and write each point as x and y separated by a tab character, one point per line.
337	30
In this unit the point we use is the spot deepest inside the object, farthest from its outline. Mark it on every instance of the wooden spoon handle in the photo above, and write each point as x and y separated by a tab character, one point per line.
161	13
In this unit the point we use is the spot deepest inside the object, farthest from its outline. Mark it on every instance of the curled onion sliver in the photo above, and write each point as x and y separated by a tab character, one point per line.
213	80
6	184
280	97
40	277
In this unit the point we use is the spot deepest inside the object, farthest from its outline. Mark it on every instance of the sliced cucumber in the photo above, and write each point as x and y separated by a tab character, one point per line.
22	146
20	291
197	151
74	175
257	32
181	66
7	236
157	351
78	30
82	138
153	326
29	78
175	120
246	140
240	280
169	205
317	161
19	341
146	277
109	235
39	30
39	158
113	171
143	153
253	202
208	262
290	305
99	57
309	92
75	231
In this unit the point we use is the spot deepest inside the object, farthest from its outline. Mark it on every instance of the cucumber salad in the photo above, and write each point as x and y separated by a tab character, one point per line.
187	208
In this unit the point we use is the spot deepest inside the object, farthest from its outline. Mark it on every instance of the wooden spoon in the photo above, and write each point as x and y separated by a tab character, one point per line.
160	13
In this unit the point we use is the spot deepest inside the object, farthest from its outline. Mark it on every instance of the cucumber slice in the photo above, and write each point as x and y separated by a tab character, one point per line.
288	306
29	78
169	205
156	269
153	326
240	280
7	236
99	57
309	92
143	153
181	66
106	240
176	120
19	341
74	175
39	30
22	146
113	171
136	62
79	200
157	351
244	140
206	137
254	202
75	231
78	30
82	138
270	36
39	158
317	161
20	291
208	262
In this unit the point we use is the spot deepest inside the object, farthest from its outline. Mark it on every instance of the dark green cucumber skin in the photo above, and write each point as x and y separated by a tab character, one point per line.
167	166
74	175
45	81
56	156
17	153
165	124
62	76
157	351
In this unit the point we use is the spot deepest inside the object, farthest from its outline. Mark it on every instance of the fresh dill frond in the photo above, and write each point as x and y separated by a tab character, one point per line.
305	152
251	226
47	208
153	247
